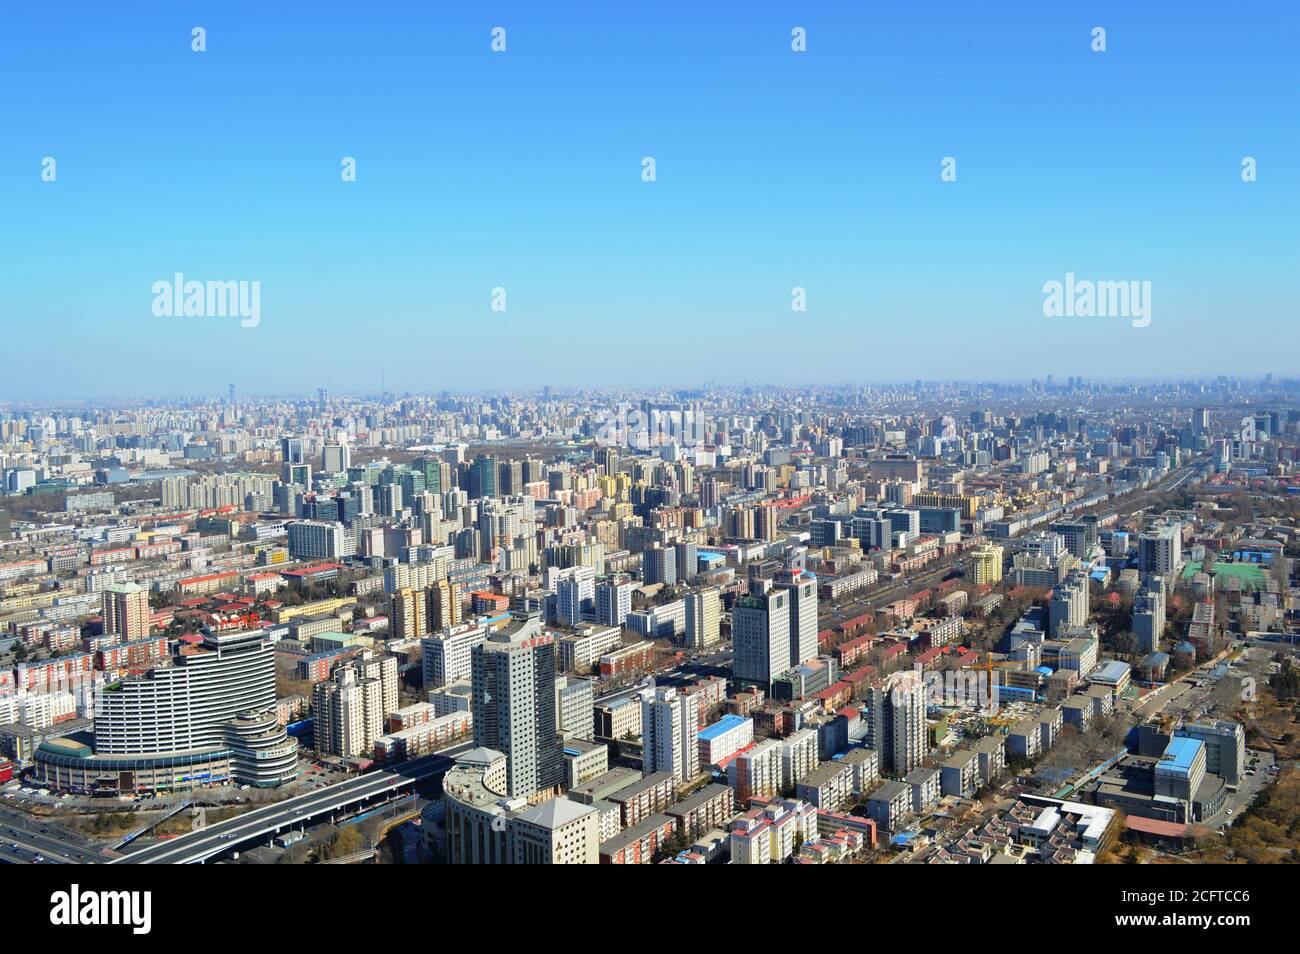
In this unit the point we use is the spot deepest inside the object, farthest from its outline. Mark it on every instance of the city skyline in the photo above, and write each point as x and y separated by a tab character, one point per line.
781	433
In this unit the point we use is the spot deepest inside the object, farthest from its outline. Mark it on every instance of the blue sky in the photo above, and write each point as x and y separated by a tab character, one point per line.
523	170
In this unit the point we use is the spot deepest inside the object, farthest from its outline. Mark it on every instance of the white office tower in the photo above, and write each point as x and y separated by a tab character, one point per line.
670	734
184	705
704	617
574	707
1068	606
448	656
348	710
317	540
575	595
613	600
513	705
898	731
760	636
802	587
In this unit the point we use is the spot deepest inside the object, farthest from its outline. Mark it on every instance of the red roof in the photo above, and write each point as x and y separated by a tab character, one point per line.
832	690
1153	826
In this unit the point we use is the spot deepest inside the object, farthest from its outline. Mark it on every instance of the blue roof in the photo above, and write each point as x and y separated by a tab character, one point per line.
1180	754
1045	670
725	724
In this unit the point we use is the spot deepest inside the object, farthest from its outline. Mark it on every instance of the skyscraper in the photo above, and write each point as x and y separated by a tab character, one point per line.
513	705
483	477
802	588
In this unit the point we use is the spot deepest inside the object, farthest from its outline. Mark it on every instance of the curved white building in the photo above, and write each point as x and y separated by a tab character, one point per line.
186	704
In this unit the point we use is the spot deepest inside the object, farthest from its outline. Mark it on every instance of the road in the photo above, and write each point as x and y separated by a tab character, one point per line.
226	836
24	838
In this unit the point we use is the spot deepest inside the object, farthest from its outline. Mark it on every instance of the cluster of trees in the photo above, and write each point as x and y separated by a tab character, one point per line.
1269	832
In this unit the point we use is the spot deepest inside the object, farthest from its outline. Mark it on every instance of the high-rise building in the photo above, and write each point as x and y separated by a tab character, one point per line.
802	588
336	458
897	729
987	560
1068	606
126	611
703	617
760	635
347	712
293	450
686	557
447	656
613	600
186	704
669	734
317	540
659	565
410	620
574	707
575	595
483	477
1079	536
1160	549
1149	616
513	705
444	605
